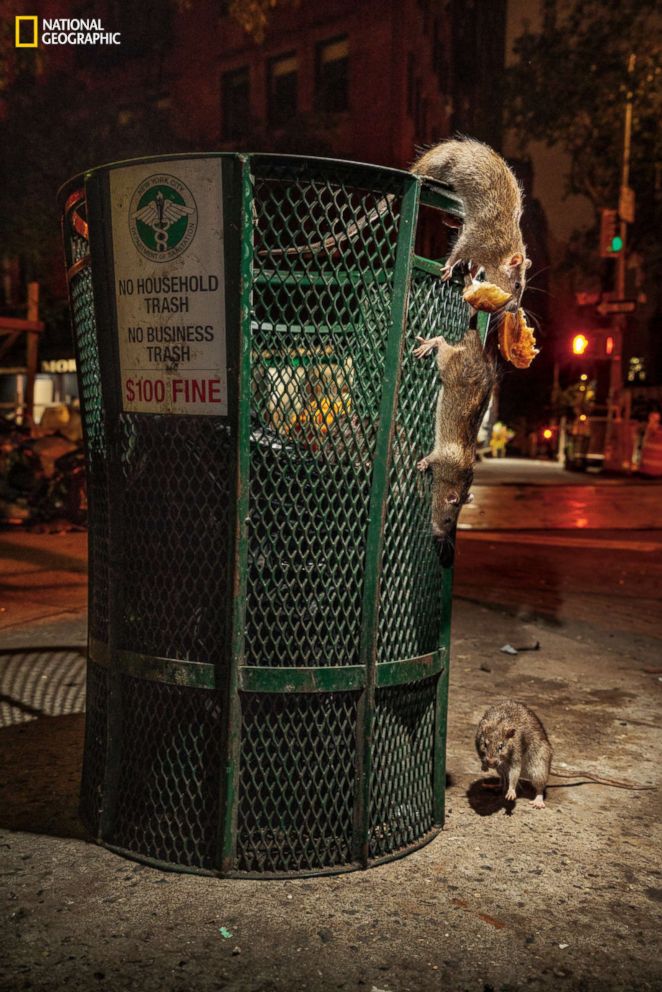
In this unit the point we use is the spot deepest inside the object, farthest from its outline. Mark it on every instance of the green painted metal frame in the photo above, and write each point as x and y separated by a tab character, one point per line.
237	677
249	678
378	496
240	191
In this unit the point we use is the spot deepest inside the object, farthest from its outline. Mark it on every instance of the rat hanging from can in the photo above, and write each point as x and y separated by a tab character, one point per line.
467	377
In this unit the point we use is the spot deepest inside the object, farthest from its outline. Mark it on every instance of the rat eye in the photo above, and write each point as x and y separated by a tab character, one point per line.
500	747
518	285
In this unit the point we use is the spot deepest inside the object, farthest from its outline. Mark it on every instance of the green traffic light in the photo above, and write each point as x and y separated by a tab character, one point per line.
616	243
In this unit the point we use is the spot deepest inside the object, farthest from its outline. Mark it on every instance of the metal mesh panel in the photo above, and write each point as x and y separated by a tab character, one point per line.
325	239
94	755
318	340
89	378
175	525
437	307
297	781
411	606
168	790
401	788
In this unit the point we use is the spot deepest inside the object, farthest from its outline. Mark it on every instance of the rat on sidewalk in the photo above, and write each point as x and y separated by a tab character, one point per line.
512	740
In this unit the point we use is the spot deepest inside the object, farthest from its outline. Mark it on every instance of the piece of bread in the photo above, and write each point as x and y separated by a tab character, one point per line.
485	296
516	341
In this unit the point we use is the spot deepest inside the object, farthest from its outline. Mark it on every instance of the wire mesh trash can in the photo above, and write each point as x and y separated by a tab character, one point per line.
268	616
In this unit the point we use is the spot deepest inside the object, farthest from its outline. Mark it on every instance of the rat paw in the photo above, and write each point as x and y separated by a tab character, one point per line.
426	346
511	795
423	465
537	803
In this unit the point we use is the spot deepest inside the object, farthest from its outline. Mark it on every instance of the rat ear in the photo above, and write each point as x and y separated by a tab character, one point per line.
527	263
516	260
469	498
510	733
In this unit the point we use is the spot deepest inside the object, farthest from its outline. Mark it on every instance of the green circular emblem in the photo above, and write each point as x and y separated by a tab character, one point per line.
163	218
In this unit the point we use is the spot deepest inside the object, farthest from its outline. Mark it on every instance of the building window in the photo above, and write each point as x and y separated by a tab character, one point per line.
283	87
332	76
235	102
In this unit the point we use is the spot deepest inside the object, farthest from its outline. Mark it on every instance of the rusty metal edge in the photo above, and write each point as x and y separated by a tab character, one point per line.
279	679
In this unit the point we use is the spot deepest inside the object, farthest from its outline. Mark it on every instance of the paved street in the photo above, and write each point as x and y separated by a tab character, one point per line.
565	898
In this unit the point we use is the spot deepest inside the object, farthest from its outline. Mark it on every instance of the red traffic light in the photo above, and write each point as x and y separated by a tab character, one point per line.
579	344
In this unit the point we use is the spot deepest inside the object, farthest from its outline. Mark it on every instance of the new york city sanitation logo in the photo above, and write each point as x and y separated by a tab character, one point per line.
163	218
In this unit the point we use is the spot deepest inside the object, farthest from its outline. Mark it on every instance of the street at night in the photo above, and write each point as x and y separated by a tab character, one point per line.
330	496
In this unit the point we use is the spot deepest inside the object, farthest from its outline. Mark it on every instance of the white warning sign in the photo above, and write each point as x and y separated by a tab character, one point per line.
167	223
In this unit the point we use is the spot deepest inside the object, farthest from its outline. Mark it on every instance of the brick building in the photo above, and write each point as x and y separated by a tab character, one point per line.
355	79
351	78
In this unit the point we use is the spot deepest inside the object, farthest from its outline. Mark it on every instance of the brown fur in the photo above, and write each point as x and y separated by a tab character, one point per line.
467	376
512	740
491	237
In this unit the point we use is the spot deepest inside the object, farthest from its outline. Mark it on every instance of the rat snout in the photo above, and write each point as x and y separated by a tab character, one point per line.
439	530
445	547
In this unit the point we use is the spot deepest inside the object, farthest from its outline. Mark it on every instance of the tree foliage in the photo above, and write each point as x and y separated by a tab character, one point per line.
569	87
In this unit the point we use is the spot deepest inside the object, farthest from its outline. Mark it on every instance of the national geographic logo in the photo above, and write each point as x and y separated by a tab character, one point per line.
62	31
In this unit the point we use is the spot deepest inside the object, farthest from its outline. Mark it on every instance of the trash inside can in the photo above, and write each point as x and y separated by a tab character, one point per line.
268	615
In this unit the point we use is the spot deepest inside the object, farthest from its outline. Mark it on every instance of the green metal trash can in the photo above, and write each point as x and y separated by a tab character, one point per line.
268	614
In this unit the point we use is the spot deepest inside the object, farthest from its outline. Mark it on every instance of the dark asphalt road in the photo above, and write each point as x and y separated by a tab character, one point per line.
612	582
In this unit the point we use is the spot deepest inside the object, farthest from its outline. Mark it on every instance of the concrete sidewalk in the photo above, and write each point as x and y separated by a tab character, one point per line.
564	898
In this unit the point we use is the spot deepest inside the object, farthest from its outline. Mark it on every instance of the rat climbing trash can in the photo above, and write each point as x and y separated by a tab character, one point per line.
268	614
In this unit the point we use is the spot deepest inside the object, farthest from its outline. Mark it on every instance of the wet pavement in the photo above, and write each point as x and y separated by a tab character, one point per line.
513	494
505	898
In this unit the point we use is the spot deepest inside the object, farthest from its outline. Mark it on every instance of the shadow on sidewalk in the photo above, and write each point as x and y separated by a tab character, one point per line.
42	698
40	764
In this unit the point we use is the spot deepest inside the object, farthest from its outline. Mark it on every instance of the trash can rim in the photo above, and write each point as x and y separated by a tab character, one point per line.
80	178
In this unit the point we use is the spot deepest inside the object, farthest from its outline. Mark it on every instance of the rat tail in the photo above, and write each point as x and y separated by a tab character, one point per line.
600	780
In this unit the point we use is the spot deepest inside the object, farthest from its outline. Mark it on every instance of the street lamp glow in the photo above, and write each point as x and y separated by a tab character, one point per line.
579	344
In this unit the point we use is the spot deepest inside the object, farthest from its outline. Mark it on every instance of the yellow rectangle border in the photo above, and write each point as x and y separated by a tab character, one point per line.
35	32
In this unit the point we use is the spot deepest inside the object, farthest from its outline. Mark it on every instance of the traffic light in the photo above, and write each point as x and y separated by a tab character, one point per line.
597	343
579	344
611	243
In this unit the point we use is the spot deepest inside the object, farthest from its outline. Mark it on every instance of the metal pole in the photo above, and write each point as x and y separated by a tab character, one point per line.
31	352
620	321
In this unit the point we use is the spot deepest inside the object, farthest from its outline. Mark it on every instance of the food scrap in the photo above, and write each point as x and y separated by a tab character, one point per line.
486	296
516	341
